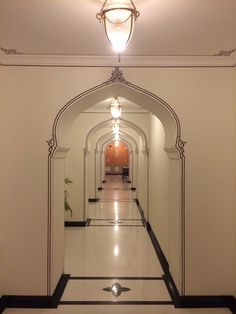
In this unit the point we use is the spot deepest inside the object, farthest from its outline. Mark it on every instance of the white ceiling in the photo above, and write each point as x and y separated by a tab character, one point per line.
126	105
164	28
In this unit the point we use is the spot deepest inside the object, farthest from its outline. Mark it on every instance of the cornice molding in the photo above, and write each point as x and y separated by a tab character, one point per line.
221	60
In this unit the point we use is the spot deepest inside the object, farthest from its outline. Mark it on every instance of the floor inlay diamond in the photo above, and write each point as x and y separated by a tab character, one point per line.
116	289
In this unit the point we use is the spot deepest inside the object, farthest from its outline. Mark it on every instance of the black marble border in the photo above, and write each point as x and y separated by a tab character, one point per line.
208	301
120	219
2	305
116	225
111	278
93	200
116	303
141	212
75	223
30	301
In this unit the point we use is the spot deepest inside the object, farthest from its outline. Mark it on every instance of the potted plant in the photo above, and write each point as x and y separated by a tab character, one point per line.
66	197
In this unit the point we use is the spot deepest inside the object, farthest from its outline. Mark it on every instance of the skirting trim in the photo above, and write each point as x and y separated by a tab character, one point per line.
192	301
188	301
2	306
75	223
93	200
29	301
141	212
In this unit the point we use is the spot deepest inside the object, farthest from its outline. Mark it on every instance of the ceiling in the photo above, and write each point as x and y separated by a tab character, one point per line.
164	28
126	105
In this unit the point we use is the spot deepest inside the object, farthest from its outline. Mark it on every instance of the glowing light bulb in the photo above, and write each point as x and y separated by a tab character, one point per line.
116	128
116	250
115	108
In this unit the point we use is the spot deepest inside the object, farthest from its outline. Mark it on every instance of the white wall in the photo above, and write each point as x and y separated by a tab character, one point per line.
75	163
142	187
159	184
204	100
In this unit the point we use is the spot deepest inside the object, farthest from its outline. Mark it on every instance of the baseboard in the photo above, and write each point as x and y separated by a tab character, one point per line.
141	211
161	256
232	305
224	301
93	200
2	305
29	301
75	223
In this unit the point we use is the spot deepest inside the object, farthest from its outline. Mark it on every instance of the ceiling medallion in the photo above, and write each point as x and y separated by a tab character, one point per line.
116	289
118	18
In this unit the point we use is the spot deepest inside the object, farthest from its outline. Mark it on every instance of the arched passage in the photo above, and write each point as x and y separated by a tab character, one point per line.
58	147
90	151
130	142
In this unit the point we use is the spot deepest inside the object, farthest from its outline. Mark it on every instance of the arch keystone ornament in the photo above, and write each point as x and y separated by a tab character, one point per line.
117	76
58	146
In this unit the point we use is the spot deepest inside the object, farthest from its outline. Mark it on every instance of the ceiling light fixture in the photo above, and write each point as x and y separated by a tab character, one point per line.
116	128
118	18
116	137
115	108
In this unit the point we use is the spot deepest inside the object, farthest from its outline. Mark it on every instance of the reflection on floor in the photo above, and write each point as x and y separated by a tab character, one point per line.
112	263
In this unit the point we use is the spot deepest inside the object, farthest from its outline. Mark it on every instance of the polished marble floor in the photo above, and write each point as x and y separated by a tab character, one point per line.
112	263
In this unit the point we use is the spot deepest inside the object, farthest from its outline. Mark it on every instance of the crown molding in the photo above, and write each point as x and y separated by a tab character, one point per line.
111	61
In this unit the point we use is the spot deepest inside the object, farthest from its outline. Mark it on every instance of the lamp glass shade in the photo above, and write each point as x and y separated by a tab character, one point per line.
119	24
115	109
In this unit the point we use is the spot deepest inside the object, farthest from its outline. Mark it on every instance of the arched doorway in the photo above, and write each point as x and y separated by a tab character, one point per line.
94	170
116	158
58	147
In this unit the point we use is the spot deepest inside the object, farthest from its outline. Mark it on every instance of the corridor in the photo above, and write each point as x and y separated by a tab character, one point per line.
112	264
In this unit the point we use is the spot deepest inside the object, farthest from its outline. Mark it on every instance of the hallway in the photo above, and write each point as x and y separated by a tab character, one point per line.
112	264
114	248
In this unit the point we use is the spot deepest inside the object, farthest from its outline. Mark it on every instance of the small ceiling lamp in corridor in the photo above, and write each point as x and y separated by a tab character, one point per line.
115	108
117	137
118	17
116	128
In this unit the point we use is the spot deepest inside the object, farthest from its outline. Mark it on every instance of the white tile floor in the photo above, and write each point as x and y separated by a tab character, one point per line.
107	250
92	290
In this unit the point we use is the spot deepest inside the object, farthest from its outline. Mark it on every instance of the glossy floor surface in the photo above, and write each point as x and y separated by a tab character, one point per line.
113	260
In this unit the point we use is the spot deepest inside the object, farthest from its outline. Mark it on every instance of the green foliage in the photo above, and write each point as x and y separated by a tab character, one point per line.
66	197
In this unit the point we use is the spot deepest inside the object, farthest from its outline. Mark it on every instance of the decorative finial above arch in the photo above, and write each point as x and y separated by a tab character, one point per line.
117	76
